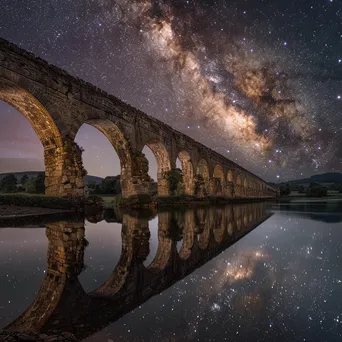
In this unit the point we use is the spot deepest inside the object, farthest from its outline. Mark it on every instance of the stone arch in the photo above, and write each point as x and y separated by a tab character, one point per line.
230	176
56	149
122	147
238	186
219	225
219	180
202	222
260	187
202	178
166	245
252	187
256	188
245	186
245	217
188	235
163	165
188	172
230	184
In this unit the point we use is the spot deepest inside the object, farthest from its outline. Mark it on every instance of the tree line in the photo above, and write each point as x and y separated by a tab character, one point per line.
313	190
31	185
109	185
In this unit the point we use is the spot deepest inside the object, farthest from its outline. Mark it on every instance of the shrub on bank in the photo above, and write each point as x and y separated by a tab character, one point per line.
317	191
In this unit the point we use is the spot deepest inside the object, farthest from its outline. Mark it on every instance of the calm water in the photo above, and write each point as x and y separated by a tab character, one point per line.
237	273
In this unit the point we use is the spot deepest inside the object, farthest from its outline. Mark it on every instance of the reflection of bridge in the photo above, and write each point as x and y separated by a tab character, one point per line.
63	305
57	105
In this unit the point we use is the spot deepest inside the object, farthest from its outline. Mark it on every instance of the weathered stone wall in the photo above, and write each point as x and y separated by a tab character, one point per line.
57	105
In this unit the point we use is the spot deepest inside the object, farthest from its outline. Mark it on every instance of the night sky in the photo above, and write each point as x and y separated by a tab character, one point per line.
258	81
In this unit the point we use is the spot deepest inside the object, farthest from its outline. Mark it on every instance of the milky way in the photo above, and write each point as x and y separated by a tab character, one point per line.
246	96
258	82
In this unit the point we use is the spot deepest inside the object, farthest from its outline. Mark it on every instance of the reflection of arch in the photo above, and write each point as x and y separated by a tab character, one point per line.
62	303
203	222
230	184
112	132
135	236
163	165
219	226
201	217
219	177
188	235
165	243
238	216
188	172
245	219
238	180
65	261
45	128
230	229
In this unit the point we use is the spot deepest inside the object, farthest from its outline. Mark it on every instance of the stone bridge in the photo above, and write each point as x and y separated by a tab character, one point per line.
58	104
62	305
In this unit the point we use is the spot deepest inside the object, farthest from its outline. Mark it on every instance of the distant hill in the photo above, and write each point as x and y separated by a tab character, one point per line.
27	164
31	174
325	178
96	179
331	177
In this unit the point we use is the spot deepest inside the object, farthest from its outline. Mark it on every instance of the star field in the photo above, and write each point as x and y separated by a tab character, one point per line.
257	81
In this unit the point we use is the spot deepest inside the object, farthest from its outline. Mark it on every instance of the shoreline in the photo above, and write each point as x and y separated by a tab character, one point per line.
303	199
14	212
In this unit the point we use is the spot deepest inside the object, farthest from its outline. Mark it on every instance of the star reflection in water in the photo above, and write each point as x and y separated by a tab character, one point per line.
254	290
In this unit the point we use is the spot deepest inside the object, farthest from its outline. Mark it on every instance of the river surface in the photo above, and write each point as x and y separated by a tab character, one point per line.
252	272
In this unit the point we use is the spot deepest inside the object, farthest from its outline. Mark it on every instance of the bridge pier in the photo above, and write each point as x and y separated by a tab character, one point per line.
212	187
200	187
64	171
163	186
135	178
230	190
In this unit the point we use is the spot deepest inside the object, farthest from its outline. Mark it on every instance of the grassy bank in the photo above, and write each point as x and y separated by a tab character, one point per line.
145	201
42	201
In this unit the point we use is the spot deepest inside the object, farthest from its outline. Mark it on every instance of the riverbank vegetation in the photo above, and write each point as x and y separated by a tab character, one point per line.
42	201
311	190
